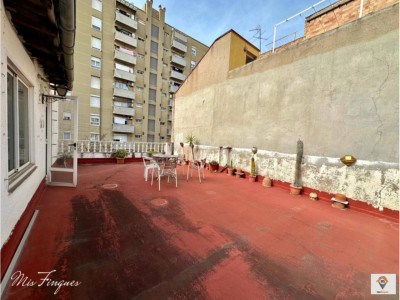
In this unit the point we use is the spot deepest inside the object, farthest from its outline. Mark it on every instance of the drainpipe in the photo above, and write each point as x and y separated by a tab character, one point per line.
361	8
67	36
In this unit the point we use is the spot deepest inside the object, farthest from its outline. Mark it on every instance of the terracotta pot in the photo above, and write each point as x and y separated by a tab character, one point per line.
213	168
239	170
230	171
252	178
340	197
120	160
267	182
338	205
294	190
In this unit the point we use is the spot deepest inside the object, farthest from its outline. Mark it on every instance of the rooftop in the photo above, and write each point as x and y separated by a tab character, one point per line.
224	238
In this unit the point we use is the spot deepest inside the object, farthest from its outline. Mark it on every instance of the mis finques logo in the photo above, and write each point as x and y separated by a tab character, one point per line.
383	284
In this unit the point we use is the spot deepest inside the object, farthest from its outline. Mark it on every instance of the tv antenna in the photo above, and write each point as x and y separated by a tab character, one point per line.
258	35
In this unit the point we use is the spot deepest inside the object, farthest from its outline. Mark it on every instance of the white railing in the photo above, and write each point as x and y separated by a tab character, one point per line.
108	147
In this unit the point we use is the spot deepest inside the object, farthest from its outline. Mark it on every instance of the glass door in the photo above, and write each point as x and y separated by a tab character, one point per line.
62	129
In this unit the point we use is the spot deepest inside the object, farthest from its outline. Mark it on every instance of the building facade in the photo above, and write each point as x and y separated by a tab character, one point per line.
129	62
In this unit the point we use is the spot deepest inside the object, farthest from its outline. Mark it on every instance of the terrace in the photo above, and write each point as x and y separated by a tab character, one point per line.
224	238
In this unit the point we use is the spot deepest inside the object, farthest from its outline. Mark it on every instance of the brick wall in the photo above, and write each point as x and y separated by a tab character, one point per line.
340	13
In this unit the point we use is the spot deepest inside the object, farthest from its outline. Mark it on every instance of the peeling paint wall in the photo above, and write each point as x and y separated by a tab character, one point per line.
337	92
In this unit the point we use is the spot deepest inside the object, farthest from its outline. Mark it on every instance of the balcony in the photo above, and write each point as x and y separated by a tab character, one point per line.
130	59
129	40
125	128
124	93
169	117
168	131
173	88
176	59
177	75
120	18
179	46
124	75
170	103
126	111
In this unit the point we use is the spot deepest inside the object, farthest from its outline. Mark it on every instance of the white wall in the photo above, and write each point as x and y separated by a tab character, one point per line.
13	204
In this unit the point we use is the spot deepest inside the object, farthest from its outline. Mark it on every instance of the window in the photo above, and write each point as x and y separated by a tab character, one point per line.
94	137
120	138
96	43
138	120
152	95
94	101
141	22
95	62
97	5
154	31
123	68
151	125
162	123
165	65
154	47
139	105
95	82
165	49
162	138
249	58
192	64
193	50
163	94
163	109
67	135
140	72
153	63
139	89
153	79
18	116
119	120
66	115
150	138
94	120
166	35
164	80
120	85
140	39
96	23
152	110
138	136
140	55
122	104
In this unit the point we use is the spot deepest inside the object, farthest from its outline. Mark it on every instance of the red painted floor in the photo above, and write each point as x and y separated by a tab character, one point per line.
225	238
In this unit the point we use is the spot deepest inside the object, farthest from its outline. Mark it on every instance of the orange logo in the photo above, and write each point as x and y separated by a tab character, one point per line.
382	282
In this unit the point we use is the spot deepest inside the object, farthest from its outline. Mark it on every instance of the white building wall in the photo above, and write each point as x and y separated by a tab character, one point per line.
13	204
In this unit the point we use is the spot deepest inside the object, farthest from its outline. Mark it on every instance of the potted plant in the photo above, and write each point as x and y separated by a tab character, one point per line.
213	166
150	153
296	187
230	169
191	139
253	176
120	155
66	159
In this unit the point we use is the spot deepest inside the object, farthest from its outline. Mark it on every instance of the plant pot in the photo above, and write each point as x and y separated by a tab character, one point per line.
340	197
230	171
294	190
213	168
69	161
239	170
252	178
267	182
120	160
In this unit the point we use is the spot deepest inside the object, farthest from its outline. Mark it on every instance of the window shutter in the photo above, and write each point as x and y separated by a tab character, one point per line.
153	63
154	47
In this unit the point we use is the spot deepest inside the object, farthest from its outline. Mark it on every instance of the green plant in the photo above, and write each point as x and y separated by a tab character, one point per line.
120	153
253	167
150	153
191	139
213	162
231	167
65	155
299	156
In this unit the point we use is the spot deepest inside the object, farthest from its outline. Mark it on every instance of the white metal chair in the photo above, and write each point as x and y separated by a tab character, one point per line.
167	168
198	165
181	162
149	164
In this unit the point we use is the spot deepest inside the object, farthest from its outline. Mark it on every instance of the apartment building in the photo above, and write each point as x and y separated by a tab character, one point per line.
129	62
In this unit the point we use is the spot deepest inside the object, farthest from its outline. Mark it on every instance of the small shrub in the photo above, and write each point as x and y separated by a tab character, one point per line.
150	153
120	153
213	162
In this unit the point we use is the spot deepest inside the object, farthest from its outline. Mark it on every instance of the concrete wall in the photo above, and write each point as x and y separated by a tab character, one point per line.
14	203
338	92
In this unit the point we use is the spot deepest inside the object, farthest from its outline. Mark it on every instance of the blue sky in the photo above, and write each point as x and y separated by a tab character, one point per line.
206	20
